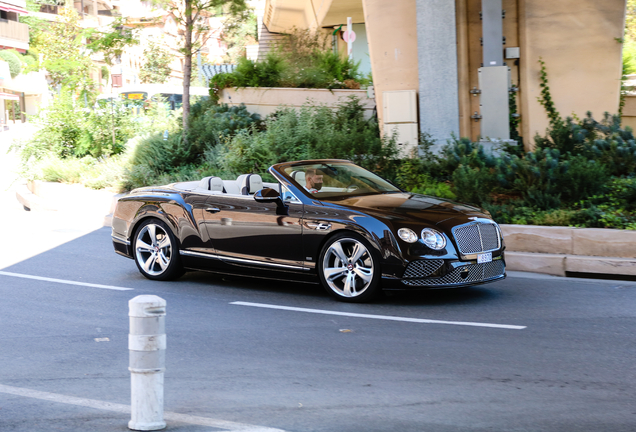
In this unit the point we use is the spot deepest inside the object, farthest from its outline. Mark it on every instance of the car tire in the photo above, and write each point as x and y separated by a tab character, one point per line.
349	268
156	251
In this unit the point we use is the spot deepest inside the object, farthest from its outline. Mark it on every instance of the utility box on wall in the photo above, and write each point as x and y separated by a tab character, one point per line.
494	83
400	117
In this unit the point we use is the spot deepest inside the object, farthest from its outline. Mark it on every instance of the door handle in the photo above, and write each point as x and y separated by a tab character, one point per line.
212	209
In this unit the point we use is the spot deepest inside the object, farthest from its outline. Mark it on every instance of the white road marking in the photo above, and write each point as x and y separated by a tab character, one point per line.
125	409
380	317
64	281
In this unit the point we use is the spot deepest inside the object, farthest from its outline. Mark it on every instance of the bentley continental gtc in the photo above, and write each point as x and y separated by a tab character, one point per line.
325	221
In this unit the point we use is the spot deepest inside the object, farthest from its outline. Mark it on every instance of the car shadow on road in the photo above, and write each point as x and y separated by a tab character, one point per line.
255	284
436	297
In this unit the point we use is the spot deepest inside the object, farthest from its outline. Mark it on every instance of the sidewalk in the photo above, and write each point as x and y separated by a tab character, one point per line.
28	233
45	196
10	162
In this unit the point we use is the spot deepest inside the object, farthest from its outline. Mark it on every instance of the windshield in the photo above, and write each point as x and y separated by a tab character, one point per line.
338	179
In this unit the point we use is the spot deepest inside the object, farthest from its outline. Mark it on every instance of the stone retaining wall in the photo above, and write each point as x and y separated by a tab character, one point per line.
562	250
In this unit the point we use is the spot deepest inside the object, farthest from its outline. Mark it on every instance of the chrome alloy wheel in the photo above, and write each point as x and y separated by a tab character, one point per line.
347	267
153	249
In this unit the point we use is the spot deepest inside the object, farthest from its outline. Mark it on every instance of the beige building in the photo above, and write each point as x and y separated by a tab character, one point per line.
13	35
448	67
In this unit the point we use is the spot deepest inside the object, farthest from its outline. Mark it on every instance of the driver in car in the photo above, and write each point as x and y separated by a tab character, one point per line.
313	181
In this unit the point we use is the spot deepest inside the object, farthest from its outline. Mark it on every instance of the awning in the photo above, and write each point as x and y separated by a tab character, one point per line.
13	8
9	96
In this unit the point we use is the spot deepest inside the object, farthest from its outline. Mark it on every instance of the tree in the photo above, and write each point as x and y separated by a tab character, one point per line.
238	31
63	51
111	42
156	69
190	16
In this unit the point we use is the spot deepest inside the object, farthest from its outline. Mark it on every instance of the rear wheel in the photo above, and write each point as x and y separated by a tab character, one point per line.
349	269
156	251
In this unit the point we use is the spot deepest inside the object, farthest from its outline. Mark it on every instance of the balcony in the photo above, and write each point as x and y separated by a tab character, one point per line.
14	34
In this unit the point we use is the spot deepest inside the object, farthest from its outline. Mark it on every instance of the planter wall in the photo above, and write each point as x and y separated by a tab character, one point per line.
563	250
266	100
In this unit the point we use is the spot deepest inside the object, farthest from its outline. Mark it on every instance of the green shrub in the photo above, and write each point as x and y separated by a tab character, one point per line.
311	133
151	160
304	59
105	131
321	69
211	123
162	155
59	129
473	185
66	129
15	65
249	73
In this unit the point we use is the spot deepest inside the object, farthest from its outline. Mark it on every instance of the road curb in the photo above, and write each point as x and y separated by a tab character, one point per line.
59	197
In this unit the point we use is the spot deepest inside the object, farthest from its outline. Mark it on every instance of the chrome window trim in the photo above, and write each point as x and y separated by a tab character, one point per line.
240	260
294	200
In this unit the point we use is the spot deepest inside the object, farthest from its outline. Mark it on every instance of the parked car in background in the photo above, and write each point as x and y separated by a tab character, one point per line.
326	221
140	96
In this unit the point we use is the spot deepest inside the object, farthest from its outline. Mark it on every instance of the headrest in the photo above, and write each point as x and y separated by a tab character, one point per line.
299	176
212	184
250	183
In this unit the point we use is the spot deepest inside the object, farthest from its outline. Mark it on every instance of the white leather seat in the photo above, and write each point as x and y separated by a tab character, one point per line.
299	176
231	187
249	184
212	184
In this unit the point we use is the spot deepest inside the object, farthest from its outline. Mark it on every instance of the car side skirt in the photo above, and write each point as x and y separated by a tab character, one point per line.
242	261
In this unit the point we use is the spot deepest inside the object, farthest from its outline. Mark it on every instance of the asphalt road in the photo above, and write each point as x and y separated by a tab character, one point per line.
559	358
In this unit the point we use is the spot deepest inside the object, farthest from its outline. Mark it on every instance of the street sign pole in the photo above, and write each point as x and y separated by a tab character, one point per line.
350	38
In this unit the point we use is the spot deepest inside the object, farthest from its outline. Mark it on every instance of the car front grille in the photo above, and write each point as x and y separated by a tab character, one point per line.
423	268
472	273
477	238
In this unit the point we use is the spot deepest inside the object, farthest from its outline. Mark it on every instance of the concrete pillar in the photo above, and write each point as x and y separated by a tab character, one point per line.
438	77
147	345
391	34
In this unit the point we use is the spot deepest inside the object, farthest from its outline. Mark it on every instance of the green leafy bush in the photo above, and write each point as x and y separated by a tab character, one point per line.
249	73
105	131
153	160
211	123
59	129
67	129
312	133
303	60
15	65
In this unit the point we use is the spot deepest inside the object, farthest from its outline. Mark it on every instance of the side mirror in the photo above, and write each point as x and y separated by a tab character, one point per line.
269	195
266	195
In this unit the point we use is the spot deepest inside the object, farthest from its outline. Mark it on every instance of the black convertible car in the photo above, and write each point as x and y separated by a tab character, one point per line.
322	220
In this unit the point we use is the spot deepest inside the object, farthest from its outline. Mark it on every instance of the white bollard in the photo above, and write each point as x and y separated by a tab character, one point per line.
147	345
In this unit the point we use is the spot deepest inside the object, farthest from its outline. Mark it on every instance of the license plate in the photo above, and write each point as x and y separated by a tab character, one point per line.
484	258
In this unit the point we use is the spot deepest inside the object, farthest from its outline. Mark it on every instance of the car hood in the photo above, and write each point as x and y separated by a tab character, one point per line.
408	207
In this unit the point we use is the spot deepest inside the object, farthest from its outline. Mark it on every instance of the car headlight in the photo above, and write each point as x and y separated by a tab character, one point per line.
433	239
408	235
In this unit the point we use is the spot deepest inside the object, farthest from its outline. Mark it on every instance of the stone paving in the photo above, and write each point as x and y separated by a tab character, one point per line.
28	233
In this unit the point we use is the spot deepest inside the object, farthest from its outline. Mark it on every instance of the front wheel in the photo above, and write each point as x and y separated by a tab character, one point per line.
349	269
156	251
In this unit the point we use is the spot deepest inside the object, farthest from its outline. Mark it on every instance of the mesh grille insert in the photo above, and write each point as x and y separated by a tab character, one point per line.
476	273
477	238
423	268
